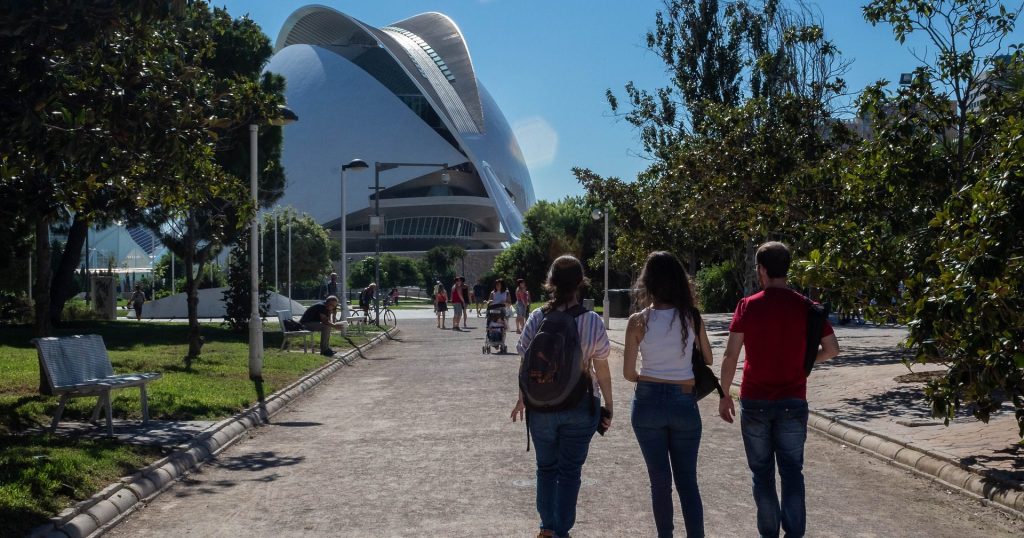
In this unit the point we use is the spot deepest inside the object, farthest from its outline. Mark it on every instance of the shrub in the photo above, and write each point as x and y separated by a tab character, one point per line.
718	288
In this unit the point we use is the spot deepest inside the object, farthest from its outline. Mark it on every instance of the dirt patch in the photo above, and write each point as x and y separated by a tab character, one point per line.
919	377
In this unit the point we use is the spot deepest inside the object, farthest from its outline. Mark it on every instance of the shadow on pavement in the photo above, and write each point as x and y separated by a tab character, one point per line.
298	424
257	461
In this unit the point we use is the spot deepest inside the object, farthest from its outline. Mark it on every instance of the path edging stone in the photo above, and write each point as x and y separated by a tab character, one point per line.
928	464
102	511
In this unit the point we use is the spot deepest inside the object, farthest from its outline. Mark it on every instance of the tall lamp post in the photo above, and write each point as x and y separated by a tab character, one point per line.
597	214
357	165
379	167
255	322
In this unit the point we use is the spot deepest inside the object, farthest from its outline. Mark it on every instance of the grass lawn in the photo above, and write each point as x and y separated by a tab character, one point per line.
40	474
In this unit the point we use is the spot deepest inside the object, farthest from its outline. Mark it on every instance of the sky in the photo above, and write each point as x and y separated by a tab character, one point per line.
548	64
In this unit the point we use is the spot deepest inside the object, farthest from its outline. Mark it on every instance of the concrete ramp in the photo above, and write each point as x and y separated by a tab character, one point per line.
211	305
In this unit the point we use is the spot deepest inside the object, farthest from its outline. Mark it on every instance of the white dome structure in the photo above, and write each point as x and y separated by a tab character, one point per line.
404	93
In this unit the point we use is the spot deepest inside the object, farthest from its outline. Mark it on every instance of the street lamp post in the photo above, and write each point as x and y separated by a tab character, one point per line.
289	260
597	214
357	165
255	322
379	167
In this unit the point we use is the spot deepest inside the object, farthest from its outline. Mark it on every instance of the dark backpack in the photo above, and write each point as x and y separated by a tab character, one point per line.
551	375
816	315
292	325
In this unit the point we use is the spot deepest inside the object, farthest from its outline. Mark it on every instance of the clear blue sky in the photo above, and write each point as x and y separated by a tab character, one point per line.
549	62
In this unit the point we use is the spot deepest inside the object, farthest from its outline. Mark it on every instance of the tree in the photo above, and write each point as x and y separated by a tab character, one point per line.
439	264
245	96
735	163
395	271
100	103
238	296
312	250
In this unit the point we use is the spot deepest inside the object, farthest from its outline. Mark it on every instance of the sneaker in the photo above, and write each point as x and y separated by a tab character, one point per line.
545	533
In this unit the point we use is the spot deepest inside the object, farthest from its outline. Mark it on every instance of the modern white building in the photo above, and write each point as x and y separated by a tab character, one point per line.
403	93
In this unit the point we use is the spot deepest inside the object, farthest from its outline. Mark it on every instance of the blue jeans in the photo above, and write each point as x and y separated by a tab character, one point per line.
561	440
667	425
774	432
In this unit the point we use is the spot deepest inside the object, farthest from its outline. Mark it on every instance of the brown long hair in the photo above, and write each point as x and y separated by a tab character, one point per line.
664	280
565	278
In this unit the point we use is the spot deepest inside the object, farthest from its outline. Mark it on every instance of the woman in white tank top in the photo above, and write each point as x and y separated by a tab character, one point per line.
665	417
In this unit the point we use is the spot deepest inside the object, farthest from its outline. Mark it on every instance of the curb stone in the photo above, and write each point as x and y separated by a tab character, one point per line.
1004	495
101	512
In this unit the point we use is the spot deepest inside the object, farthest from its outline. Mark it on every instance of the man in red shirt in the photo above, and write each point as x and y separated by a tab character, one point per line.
772	326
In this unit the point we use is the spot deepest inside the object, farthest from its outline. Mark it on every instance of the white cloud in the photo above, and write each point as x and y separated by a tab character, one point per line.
538	140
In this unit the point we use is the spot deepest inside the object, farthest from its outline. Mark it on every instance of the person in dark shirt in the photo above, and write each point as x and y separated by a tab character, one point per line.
366	297
318	318
479	292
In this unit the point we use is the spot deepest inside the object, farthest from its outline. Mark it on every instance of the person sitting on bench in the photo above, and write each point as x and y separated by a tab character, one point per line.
318	318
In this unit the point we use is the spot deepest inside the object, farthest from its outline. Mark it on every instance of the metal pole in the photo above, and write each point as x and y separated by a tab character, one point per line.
172	272
607	314
88	281
376	213
30	274
343	296
289	258
276	282
255	323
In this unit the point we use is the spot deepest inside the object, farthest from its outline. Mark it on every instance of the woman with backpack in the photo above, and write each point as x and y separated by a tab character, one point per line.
665	417
562	439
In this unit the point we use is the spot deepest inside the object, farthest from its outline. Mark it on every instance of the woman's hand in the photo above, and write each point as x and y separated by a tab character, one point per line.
518	410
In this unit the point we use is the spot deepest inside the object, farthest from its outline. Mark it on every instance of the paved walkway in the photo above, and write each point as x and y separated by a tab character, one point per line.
416	441
859	387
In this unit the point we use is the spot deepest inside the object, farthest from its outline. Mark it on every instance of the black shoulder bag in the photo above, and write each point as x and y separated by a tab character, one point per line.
704	380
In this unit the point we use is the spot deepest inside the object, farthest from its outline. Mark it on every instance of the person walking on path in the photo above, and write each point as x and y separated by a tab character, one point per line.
137	299
562	438
458	303
332	289
522	304
440	305
772	327
466	294
499	295
317	318
665	416
478	295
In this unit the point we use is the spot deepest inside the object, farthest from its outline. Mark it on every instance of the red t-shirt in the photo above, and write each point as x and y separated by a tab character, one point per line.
774	327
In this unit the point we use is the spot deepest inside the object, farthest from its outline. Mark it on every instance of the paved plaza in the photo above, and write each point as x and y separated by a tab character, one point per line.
415	440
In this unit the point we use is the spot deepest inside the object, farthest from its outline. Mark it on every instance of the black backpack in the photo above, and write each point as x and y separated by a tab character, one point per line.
551	375
816	316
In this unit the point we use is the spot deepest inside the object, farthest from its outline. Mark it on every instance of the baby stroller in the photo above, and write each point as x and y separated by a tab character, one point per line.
495	329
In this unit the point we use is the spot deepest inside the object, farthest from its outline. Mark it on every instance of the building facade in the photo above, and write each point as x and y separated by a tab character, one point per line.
404	93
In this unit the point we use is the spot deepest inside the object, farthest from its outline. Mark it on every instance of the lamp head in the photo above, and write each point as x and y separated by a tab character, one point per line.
355	164
596	214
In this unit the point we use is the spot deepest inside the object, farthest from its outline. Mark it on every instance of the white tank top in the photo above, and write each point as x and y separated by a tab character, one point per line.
663	354
500	297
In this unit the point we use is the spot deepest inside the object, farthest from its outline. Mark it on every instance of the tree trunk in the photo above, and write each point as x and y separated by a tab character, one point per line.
43	272
195	339
63	279
748	266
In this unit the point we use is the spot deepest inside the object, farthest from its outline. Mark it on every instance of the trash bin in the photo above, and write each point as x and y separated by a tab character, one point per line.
618	303
588	304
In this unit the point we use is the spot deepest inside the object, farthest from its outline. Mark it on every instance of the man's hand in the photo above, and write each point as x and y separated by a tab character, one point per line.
517	411
727	409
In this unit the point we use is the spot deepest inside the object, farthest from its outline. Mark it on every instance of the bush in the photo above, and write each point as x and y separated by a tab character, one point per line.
718	288
15	309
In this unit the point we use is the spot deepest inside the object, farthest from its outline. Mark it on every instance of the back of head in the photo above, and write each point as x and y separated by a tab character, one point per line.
565	278
664	280
775	258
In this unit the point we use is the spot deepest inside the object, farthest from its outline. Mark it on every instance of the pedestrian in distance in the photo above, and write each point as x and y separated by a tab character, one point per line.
466	294
137	299
332	289
479	292
317	318
458	303
665	416
366	297
440	305
562	435
522	304
499	295
772	327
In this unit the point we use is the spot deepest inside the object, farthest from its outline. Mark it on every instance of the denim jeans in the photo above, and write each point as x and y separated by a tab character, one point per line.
667	425
561	440
774	432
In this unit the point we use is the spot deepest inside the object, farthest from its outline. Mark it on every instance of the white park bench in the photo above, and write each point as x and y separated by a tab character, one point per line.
76	366
307	336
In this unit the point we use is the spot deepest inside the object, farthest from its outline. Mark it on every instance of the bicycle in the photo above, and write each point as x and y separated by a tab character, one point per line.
385	314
